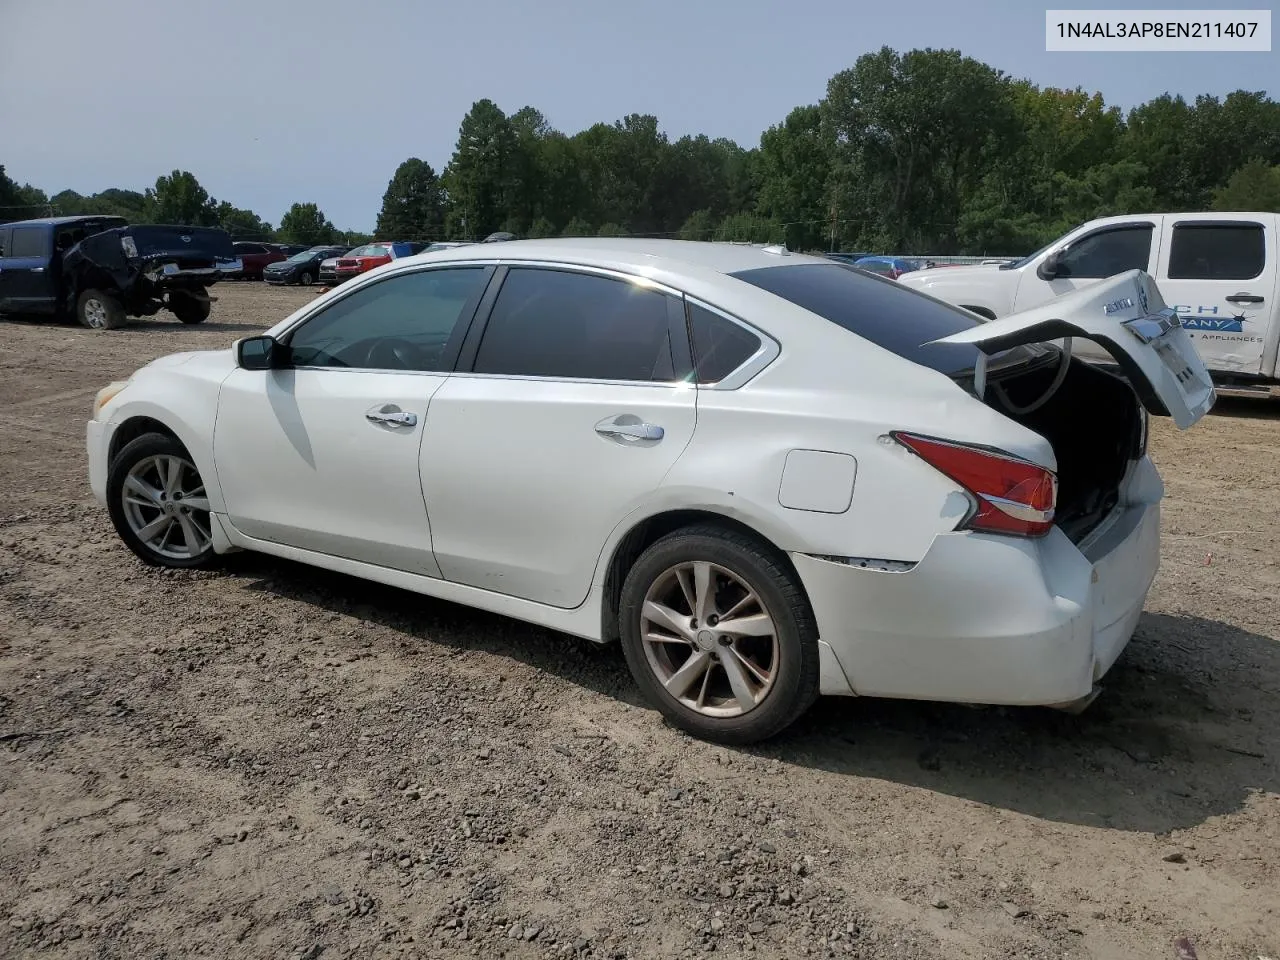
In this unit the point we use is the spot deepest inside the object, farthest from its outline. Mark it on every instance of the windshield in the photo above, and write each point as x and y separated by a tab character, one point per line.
371	250
890	315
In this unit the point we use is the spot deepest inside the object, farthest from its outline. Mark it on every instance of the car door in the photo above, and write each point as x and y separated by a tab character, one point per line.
1219	273
1126	317
322	453
570	404
28	283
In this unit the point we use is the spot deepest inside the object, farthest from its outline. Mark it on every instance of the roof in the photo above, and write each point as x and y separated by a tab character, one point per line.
60	221
630	252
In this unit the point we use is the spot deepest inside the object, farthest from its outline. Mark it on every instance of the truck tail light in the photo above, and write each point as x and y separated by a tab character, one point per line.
1012	496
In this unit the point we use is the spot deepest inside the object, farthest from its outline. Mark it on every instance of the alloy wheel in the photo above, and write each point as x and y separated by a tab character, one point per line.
709	639
95	313
166	507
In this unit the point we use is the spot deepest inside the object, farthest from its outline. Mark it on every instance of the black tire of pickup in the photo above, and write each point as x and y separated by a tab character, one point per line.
189	309
99	311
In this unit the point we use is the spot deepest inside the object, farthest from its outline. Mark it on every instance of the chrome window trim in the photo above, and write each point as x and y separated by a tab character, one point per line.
765	354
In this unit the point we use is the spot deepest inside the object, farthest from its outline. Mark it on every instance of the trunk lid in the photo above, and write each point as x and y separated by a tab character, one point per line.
1127	317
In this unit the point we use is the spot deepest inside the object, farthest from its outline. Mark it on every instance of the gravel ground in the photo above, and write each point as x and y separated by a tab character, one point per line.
274	761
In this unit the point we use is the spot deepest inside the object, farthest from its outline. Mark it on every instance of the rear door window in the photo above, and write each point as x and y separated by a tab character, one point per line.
892	316
1217	251
557	323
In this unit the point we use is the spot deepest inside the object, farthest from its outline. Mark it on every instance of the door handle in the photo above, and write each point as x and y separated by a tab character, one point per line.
1244	298
37	269
391	415
629	428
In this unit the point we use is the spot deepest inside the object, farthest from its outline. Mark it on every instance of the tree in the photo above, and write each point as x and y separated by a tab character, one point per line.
179	198
477	178
413	205
1254	187
795	170
18	202
700	225
305	223
242	224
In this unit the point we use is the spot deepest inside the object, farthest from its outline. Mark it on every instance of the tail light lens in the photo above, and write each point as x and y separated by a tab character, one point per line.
1012	495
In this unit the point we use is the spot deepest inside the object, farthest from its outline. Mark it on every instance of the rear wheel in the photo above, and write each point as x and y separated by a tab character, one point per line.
158	504
189	309
719	635
99	311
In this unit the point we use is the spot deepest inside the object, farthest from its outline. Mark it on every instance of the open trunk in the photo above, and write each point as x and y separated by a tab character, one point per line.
1094	422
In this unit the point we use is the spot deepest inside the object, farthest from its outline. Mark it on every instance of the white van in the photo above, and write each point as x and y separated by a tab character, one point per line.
1219	270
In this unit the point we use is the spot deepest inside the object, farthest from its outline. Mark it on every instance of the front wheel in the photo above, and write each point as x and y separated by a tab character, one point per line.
99	311
305	278
158	504
719	635
190	309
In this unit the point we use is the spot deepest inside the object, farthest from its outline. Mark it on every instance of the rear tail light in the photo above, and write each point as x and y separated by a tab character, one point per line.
1011	495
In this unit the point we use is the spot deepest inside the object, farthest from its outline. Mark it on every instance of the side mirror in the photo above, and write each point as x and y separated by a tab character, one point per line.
257	353
1050	265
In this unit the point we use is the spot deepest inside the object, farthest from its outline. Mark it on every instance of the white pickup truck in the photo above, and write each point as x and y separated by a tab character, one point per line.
1219	271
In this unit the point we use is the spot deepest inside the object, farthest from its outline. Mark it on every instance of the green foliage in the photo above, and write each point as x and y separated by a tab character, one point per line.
924	151
179	198
413	205
1255	187
305	223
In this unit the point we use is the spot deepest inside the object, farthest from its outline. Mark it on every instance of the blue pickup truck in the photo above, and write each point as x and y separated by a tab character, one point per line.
102	270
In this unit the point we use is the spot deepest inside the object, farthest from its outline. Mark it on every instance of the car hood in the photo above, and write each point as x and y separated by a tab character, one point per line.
220	360
939	276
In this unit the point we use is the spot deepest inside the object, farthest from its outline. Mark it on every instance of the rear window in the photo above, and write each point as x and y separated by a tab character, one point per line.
1217	251
888	314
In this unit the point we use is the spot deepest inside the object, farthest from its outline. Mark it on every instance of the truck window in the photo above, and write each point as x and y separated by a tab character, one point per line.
1217	251
1108	252
28	242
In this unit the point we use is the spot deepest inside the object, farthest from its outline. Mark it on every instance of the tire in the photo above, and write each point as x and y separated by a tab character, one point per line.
99	311
189	309
145	511
738	563
305	278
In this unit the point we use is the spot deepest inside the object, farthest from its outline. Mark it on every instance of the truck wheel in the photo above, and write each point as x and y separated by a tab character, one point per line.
99	311
189	309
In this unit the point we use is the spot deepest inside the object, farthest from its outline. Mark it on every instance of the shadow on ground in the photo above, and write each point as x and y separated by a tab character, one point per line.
1184	730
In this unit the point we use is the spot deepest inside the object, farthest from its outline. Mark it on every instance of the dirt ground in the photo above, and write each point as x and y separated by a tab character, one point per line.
274	761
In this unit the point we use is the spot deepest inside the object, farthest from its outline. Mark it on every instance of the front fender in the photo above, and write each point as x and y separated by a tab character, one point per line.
186	406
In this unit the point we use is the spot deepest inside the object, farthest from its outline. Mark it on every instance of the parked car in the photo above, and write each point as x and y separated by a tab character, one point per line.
301	268
329	269
445	245
845	257
101	270
1219	270
291	249
972	517
363	259
891	267
254	258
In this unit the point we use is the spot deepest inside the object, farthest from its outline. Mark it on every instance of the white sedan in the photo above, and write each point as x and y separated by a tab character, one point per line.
770	476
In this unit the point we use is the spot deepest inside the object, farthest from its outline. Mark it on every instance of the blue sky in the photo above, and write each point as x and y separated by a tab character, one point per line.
316	100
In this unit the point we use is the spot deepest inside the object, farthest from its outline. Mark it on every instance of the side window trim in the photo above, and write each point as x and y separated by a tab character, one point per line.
765	354
1151	227
448	359
678	332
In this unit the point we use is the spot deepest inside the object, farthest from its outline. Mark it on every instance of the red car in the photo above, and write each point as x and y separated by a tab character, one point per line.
363	259
255	257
